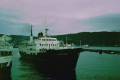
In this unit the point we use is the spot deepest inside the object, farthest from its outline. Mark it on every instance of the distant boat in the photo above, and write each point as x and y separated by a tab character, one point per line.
5	54
48	52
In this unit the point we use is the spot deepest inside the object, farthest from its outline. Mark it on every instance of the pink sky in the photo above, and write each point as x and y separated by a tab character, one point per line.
58	14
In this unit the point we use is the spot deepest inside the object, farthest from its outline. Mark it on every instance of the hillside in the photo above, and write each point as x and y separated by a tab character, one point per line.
89	38
93	38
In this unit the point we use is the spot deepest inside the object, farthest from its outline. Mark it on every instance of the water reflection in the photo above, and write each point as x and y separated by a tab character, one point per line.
58	75
26	71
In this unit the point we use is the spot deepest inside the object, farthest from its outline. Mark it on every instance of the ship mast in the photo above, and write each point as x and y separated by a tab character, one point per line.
31	34
31	30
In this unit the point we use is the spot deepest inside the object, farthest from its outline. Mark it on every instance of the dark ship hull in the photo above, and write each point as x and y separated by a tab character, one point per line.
5	71
54	60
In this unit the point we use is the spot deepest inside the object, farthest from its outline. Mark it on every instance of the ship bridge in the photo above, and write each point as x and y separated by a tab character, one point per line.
47	43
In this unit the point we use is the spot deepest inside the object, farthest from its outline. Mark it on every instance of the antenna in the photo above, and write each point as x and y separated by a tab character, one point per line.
66	40
46	27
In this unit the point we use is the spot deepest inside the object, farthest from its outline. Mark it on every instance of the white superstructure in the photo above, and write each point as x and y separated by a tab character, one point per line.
47	43
42	43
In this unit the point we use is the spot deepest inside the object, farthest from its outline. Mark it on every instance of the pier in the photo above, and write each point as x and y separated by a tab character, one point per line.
108	50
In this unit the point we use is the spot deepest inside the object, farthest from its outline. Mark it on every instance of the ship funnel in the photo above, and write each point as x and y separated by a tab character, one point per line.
40	34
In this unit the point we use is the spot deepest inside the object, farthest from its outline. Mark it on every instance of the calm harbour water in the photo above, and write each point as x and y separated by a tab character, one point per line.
90	66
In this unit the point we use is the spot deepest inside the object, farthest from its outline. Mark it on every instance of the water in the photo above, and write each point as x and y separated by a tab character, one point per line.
90	66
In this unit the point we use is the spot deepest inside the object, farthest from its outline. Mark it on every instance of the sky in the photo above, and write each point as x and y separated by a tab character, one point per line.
60	16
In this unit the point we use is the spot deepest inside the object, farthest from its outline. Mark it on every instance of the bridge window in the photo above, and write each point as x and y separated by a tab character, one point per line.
51	44
43	39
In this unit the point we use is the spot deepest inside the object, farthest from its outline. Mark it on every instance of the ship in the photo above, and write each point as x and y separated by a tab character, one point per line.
5	57
49	53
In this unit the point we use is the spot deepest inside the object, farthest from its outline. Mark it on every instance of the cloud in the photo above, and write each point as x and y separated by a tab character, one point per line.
10	23
110	22
33	9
